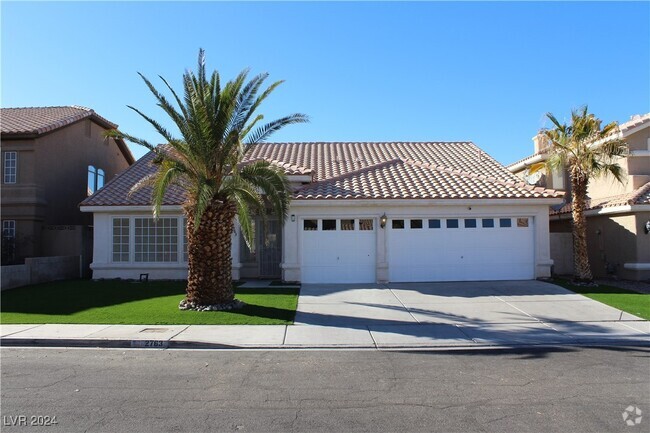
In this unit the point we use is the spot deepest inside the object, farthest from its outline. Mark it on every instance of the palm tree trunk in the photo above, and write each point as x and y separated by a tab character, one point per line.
209	279
581	268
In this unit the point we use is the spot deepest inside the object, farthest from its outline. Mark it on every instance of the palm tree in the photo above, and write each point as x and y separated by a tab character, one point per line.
586	151
218	126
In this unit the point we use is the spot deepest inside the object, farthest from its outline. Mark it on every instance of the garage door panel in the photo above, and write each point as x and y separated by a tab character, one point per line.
338	256
460	254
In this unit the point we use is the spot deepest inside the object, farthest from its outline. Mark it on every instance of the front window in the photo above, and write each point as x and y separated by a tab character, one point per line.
156	240
10	166
121	239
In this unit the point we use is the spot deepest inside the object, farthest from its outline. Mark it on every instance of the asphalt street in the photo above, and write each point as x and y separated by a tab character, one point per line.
150	390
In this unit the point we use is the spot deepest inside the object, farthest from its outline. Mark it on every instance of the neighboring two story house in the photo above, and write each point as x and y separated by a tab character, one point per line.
618	215
52	159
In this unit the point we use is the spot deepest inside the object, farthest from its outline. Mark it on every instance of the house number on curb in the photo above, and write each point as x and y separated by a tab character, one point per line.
153	344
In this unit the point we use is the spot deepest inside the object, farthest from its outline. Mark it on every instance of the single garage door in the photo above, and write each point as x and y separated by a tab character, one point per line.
341	250
461	249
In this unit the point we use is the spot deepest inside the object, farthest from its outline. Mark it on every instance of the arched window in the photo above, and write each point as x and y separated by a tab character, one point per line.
100	179
92	180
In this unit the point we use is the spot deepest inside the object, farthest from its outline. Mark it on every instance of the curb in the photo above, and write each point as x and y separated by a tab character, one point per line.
193	345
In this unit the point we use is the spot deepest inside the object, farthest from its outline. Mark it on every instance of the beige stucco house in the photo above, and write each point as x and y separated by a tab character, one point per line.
360	213
52	159
618	215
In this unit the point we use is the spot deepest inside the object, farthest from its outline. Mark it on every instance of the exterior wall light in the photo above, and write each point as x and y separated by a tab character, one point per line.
293	218
382	220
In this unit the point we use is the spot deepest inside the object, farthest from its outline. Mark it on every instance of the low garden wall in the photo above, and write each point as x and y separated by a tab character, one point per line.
41	270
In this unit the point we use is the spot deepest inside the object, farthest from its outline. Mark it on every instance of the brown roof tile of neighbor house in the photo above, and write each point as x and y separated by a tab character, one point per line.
640	196
457	170
40	120
32	122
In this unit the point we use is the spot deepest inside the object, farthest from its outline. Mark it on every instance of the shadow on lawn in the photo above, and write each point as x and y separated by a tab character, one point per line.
70	297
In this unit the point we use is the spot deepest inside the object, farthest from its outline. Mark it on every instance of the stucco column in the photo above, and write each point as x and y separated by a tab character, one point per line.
234	252
291	247
382	256
543	261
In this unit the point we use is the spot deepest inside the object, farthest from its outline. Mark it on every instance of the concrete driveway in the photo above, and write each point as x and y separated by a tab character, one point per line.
459	313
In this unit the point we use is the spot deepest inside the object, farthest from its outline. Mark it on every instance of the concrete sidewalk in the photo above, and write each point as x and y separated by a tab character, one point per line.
380	316
416	335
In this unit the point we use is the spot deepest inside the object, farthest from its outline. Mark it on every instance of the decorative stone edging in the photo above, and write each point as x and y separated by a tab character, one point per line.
235	304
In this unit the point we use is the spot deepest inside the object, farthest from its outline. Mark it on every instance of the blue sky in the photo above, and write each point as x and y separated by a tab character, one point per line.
370	71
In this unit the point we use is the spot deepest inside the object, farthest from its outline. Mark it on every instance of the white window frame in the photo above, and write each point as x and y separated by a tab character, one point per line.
129	242
178	250
10	174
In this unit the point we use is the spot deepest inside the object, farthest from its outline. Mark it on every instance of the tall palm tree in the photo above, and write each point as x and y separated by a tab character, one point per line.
586	151
218	125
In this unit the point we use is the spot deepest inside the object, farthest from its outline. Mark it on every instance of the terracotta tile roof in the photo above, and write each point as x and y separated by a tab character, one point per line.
639	196
332	159
399	179
361	170
40	120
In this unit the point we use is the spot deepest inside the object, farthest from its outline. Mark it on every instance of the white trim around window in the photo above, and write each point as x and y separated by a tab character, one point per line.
137	240
10	167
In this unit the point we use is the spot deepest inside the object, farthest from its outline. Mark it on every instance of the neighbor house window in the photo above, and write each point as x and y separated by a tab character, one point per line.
488	222
434	224
9	229
156	240
366	224
398	224
10	165
522	222
347	224
505	222
310	225
452	224
329	225
416	224
95	180
120	239
100	179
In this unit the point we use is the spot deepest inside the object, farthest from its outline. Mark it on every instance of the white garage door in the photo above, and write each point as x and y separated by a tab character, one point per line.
461	249
338	250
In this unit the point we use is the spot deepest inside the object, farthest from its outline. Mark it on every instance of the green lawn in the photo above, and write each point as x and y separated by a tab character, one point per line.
623	299
152	303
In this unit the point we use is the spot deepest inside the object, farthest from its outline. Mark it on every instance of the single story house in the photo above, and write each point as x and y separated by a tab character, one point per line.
360	213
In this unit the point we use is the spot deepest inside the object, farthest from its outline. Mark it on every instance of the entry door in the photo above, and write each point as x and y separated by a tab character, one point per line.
270	248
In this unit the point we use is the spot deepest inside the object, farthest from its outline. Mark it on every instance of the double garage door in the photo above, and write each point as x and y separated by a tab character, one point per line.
418	249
